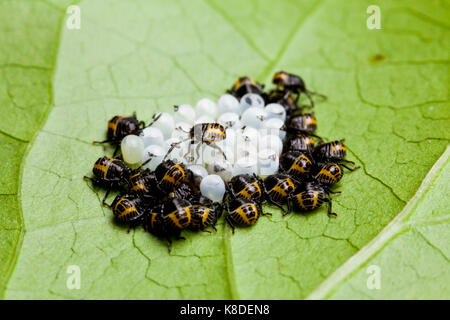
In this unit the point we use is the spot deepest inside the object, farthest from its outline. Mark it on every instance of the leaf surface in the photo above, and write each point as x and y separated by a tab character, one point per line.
387	95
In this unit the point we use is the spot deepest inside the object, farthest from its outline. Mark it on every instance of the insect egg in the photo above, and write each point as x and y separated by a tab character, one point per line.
251	100
156	153
271	142
222	168
185	113
273	126
213	187
204	119
152	135
248	134
245	165
230	140
229	103
254	117
276	110
181	130
268	162
165	123
206	106
132	148
230	120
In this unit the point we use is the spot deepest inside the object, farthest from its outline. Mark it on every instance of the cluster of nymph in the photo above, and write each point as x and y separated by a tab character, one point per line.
182	170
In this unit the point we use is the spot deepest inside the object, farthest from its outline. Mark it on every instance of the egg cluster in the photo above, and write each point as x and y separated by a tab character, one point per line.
252	141
249	147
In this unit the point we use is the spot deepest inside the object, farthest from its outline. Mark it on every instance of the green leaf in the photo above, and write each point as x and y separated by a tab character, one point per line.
387	95
412	252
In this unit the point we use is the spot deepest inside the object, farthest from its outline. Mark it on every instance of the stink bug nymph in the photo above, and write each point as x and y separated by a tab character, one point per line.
204	214
311	196
333	151
278	189
242	212
296	163
109	173
128	208
169	175
207	133
329	173
295	84
244	85
246	186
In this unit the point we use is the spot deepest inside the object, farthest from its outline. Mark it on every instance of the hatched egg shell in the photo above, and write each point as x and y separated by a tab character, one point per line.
222	168
152	135
245	165
213	187
204	119
184	113
268	162
248	134
276	110
229	103
178	152
206	106
132	148
209	154
273	126
154	152
181	130
254	117
251	100
246	149
230	120
165	123
229	141
270	142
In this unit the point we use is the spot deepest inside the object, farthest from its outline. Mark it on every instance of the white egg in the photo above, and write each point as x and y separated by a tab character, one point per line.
249	134
181	130
230	140
246	142
254	117
185	113
152	135
132	148
272	142
210	154
222	168
276	110
213	187
251	100
230	120
246	149
245	165
154	152
204	119
206	106
229	103
268	162
165	123
273	126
